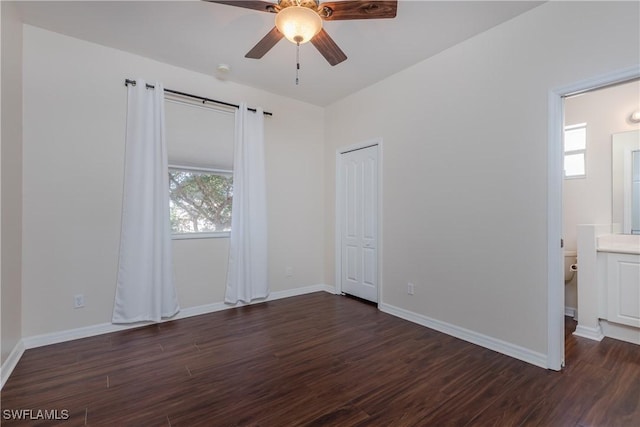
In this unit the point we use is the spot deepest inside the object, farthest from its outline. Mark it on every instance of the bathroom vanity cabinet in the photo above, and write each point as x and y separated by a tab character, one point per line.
618	265
623	288
608	284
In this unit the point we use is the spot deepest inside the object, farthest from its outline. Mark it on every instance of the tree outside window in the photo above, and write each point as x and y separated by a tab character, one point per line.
200	201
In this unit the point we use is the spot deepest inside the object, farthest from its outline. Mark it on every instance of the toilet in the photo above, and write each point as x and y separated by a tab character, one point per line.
570	265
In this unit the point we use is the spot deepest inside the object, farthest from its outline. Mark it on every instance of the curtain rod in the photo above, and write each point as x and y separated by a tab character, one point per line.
203	99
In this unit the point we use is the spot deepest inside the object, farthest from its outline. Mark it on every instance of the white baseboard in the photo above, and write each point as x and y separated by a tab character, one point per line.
588	332
301	291
217	306
570	311
105	328
512	350
10	364
620	332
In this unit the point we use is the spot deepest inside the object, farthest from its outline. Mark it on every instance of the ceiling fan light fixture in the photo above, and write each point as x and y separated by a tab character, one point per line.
298	24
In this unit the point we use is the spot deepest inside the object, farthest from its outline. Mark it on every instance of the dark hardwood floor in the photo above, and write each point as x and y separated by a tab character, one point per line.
317	360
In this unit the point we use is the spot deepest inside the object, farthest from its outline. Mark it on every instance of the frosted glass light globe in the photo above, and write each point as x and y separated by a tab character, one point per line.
298	24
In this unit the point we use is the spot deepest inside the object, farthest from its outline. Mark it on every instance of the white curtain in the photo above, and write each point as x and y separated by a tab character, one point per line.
145	289
247	272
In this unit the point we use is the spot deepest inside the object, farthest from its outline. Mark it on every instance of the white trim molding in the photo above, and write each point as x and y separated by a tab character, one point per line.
570	311
555	256
620	332
11	362
590	333
512	350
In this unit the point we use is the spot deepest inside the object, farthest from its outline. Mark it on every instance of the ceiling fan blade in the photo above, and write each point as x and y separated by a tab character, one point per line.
263	6
355	9
265	44
328	48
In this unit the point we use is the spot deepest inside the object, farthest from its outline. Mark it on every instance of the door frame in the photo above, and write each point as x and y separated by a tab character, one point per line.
555	179
374	142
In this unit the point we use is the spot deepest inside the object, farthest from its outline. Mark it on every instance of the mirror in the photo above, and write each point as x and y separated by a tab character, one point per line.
625	179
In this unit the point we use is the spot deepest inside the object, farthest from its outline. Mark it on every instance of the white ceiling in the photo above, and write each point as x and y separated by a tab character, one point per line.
198	35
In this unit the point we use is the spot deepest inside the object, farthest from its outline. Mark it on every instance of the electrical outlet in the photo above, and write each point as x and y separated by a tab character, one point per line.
288	272
410	288
78	301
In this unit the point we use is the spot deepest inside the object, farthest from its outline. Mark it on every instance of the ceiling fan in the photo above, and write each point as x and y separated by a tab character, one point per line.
300	21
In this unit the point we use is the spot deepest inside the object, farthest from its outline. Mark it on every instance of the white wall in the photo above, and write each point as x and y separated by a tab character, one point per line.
588	201
11	179
74	119
465	164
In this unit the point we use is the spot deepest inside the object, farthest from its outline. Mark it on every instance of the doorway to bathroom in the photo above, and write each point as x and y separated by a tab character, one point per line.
591	122
583	118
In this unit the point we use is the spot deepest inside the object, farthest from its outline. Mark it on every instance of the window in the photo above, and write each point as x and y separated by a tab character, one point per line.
575	151
200	201
200	150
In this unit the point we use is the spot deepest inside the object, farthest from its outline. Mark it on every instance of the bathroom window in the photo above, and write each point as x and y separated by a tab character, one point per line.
575	151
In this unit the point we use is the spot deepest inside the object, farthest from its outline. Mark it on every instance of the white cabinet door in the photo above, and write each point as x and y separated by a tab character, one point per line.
623	289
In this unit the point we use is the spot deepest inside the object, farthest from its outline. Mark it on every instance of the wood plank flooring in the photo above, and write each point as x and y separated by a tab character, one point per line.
316	360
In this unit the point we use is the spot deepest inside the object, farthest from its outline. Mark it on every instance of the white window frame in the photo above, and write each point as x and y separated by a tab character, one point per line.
204	234
580	151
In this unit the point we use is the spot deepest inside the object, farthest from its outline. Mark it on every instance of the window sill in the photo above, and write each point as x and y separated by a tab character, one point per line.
188	236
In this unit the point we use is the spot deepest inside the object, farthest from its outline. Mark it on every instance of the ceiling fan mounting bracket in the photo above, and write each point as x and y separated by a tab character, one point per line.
371	7
309	4
325	11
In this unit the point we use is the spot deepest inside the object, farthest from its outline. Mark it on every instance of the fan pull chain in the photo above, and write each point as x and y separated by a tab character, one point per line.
297	62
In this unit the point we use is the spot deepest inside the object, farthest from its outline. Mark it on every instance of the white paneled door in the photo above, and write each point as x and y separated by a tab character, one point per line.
359	223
